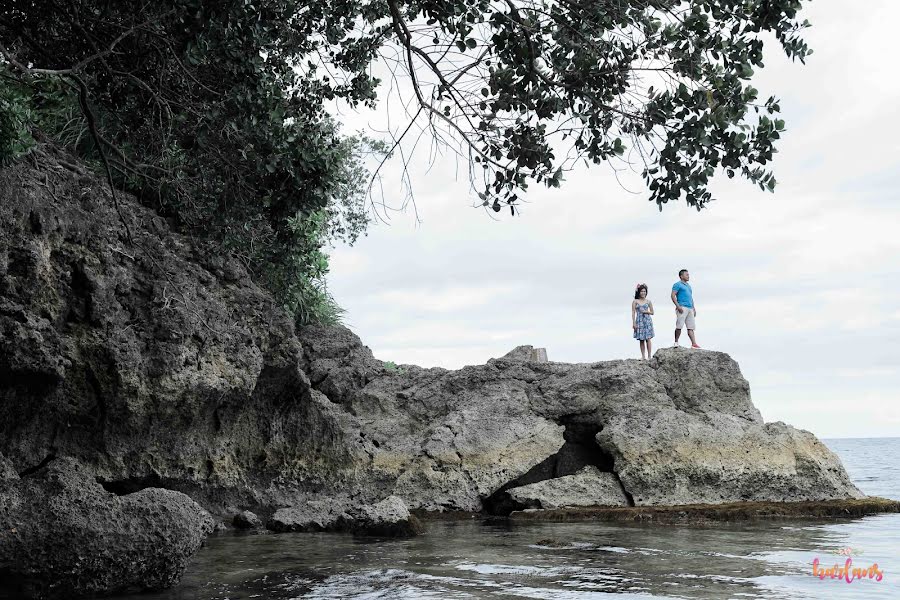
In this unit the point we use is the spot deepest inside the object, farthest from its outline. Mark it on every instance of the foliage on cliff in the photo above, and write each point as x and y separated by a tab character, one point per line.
196	108
215	113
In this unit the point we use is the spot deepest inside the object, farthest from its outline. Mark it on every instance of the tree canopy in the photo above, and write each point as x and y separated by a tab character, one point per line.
216	113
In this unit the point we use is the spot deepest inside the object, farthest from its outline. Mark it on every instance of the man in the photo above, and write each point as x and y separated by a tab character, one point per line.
685	309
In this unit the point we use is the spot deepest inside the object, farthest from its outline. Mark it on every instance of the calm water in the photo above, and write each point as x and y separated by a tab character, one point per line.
585	561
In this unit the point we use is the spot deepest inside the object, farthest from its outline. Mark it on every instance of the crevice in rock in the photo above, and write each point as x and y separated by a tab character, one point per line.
80	298
37	467
579	450
96	390
628	495
217	420
123	487
31	381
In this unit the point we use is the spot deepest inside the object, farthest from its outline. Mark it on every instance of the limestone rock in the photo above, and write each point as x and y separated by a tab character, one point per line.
7	472
526	353
152	361
673	458
588	487
315	515
162	363
62	535
388	518
247	520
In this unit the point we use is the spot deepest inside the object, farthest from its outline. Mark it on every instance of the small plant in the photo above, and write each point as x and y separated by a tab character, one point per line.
392	367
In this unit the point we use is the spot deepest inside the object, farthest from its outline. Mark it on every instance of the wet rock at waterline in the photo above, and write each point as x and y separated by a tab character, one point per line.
388	518
314	515
247	520
62	535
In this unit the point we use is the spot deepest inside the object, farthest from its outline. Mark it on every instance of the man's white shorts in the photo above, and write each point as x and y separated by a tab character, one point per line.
684	318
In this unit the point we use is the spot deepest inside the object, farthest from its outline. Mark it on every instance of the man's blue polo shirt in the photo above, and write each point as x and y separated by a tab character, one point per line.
684	295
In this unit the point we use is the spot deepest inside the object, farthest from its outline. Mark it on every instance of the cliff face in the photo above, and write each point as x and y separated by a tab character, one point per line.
158	364
151	361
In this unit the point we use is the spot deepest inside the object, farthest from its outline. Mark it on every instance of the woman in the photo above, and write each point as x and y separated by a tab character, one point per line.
641	321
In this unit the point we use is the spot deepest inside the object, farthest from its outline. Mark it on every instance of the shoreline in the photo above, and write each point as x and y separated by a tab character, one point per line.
686	513
718	513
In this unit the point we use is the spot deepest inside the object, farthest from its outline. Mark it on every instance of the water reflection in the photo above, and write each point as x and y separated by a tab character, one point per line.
549	560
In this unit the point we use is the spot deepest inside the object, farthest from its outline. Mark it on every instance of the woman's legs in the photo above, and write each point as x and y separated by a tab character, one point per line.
649	349
642	348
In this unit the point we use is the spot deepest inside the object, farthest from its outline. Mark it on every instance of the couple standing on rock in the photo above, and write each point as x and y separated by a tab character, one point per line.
685	312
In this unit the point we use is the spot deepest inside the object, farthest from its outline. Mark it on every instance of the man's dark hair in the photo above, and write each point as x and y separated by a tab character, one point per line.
681	272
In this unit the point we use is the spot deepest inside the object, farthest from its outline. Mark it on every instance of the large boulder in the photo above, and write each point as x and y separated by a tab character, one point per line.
63	536
679	429
314	515
588	487
247	520
388	518
526	353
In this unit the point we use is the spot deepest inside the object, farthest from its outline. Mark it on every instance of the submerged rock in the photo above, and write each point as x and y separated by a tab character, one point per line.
62	535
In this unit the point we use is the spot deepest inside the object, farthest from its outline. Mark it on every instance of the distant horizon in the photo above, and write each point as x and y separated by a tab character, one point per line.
879	437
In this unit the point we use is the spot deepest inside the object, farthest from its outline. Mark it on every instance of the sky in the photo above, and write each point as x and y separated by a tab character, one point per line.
801	287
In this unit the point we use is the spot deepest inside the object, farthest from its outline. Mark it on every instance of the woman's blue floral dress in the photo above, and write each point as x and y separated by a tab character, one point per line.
644	323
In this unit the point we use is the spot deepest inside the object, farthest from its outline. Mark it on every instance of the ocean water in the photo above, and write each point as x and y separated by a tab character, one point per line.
571	561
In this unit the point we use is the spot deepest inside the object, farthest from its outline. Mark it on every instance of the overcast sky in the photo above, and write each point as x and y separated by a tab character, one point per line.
801	287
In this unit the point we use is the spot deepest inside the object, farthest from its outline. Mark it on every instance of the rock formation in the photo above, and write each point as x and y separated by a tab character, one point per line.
247	520
62	535
679	429
157	363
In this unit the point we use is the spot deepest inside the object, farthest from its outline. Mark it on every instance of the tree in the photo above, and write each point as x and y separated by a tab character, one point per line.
658	84
196	108
216	113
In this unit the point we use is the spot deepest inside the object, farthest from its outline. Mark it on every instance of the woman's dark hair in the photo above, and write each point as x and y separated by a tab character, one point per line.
637	292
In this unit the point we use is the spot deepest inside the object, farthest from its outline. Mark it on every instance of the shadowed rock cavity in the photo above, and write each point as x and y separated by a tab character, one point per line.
578	459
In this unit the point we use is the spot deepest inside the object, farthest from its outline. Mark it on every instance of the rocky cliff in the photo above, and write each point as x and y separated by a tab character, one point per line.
156	363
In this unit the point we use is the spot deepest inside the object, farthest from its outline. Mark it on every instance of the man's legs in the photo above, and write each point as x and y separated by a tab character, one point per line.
689	325
680	318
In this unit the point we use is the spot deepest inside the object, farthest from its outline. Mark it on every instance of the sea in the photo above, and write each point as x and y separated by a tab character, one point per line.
572	561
